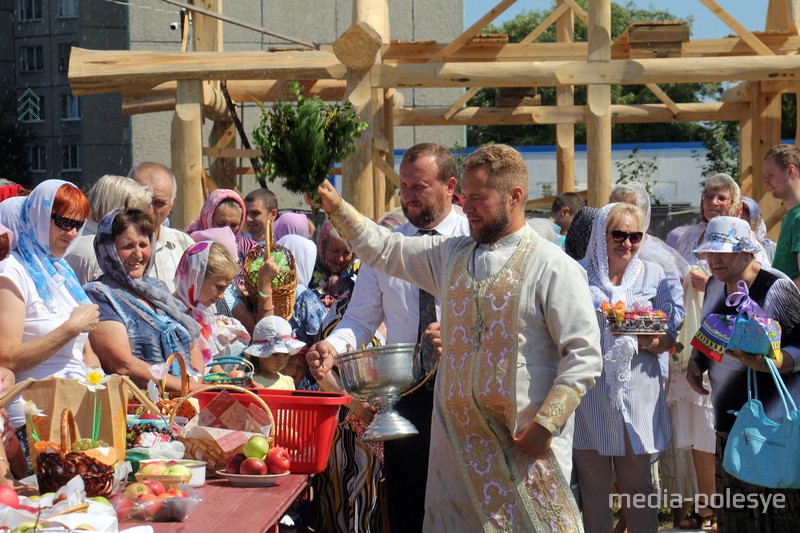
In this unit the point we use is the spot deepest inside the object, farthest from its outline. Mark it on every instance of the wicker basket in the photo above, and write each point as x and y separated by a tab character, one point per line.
54	470
208	450
283	297
167	405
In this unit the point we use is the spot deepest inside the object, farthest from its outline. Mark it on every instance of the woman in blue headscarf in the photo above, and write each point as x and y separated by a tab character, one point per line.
45	316
136	307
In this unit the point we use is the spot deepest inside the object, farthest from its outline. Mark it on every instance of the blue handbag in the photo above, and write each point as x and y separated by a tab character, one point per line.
761	451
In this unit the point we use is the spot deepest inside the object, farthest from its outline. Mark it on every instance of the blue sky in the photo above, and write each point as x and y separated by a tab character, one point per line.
751	13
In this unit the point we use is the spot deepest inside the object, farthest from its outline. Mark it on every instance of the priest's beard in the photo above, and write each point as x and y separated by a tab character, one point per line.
492	231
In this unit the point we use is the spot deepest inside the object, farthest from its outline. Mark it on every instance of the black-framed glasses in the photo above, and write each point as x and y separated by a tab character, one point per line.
65	223
620	236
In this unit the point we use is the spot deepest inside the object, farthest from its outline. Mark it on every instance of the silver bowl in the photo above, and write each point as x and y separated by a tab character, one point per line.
379	376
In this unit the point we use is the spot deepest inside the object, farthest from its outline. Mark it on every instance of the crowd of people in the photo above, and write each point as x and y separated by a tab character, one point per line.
528	380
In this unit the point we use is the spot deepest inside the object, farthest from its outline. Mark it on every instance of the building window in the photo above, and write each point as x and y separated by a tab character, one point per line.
67	9
30	106
37	158
31	59
71	158
29	10
70	107
64	50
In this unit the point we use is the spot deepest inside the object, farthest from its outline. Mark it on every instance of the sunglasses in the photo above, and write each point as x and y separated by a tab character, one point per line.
65	223
619	236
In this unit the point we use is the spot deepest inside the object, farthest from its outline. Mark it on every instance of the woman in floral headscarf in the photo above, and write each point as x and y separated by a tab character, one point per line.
204	272
224	207
136	307
45	316
623	419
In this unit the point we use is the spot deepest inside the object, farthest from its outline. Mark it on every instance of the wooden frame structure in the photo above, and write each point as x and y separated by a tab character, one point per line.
367	68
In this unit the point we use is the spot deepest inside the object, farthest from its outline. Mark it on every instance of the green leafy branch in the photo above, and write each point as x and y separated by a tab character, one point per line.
301	141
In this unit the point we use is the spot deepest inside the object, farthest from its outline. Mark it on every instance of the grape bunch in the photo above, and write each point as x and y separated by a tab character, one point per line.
82	445
133	437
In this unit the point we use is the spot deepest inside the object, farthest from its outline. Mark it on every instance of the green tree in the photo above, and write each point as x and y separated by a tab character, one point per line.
622	15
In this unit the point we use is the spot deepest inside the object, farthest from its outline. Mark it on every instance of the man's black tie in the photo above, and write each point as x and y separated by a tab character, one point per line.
427	315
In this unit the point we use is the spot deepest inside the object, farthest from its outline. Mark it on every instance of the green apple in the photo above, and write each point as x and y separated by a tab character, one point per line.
177	470
257	447
25	527
100	499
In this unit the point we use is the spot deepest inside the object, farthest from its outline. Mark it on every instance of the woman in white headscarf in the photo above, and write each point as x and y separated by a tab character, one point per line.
10	211
623	419
751	212
45	315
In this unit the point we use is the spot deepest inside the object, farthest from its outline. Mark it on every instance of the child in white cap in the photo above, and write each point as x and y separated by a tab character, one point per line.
273	343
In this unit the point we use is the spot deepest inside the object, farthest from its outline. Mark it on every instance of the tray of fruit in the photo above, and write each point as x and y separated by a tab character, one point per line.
639	320
257	465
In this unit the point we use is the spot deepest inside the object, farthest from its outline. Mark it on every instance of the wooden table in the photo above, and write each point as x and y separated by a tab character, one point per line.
228	508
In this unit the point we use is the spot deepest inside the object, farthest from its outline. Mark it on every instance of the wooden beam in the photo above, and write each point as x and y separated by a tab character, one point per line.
422	51
213	151
620	114
358	46
186	145
663	97
737	92
554	73
207	25
93	72
746	35
598	106
565	96
578	10
237	22
463	99
546	23
472	31
783	15
392	100
766	133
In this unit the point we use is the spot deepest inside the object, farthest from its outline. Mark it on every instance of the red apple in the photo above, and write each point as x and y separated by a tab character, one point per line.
137	489
278	460
8	496
234	462
253	466
177	493
166	496
156	487
238	374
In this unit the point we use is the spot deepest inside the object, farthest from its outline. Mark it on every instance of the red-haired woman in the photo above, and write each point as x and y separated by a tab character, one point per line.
45	315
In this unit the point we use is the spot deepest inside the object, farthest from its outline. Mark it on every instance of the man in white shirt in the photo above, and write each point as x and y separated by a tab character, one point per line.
170	243
427	183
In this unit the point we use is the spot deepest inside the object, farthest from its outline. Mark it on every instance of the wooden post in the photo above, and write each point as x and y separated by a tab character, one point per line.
598	105
187	151
358	173
389	98
745	152
565	95
766	133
